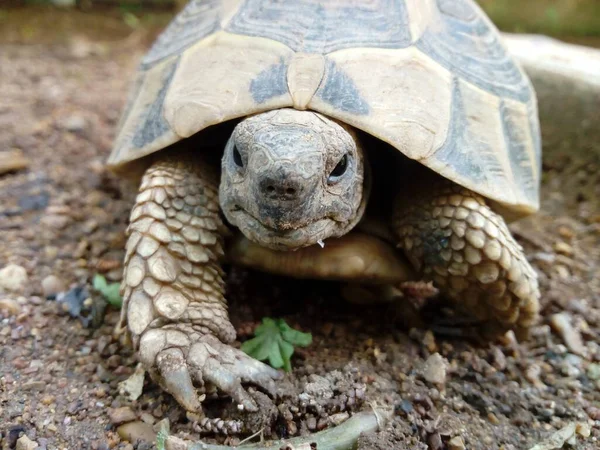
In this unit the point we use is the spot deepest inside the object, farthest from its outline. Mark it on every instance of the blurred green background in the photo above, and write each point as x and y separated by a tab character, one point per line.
32	20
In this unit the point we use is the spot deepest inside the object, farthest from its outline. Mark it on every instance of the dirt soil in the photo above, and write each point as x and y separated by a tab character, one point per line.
62	220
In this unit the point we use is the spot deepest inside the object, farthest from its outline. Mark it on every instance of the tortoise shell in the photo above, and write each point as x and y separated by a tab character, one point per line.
430	77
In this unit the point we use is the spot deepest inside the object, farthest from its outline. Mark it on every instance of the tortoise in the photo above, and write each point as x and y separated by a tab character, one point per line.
367	141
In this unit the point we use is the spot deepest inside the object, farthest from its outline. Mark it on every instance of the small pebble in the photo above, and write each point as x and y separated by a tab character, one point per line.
52	285
337	419
56	221
100	392
563	248
493	418
434	441
48	399
321	424
429	341
405	406
13	277
593	413
566	232
20	363
456	443
113	361
103	374
593	371
13	160
121	415
499	360
533	375
34	386
147	418
132	387
434	369
584	430
137	431
562	272
562	324
569	371
74	123
24	443
9	305
51	252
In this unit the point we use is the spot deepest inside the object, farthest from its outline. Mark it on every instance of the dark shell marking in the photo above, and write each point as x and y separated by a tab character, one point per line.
197	20
473	158
154	124
464	43
468	156
515	138
308	26
271	82
340	91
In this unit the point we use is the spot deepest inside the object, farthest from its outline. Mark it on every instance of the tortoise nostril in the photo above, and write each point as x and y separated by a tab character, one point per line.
280	189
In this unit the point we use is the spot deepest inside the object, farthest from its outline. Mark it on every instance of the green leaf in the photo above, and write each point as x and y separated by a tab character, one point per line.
287	350
276	359
294	337
275	341
109	291
260	347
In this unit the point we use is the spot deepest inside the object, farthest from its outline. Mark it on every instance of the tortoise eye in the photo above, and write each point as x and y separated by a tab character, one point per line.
339	169
237	158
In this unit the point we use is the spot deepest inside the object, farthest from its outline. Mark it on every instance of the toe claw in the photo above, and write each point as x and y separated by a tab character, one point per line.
256	370
228	382
260	374
268	385
176	379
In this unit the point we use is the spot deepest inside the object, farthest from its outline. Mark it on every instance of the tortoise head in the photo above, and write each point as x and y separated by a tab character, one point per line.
291	179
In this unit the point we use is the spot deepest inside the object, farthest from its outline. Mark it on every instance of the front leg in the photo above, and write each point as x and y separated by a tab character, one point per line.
454	238
173	288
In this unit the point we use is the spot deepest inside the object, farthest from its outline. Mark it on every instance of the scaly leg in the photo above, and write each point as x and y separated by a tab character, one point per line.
453	238
173	304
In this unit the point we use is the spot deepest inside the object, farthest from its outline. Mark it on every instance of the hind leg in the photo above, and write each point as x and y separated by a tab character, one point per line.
453	237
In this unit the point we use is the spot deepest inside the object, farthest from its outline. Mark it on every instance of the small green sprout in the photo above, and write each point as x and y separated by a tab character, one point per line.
109	291
275	340
161	438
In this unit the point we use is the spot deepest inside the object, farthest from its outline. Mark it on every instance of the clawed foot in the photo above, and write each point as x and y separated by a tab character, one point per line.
179	364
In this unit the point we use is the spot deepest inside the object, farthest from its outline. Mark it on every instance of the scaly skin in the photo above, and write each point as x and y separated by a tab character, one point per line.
173	304
452	237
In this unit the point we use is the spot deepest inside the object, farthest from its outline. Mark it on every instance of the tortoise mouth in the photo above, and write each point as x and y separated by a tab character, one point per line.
285	236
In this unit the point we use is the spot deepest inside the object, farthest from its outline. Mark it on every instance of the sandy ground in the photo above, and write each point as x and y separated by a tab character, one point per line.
62	220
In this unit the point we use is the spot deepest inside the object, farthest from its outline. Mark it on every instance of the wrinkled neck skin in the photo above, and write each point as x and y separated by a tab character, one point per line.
292	179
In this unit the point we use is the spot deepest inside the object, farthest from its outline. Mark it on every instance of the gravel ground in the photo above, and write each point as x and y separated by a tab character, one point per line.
62	220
